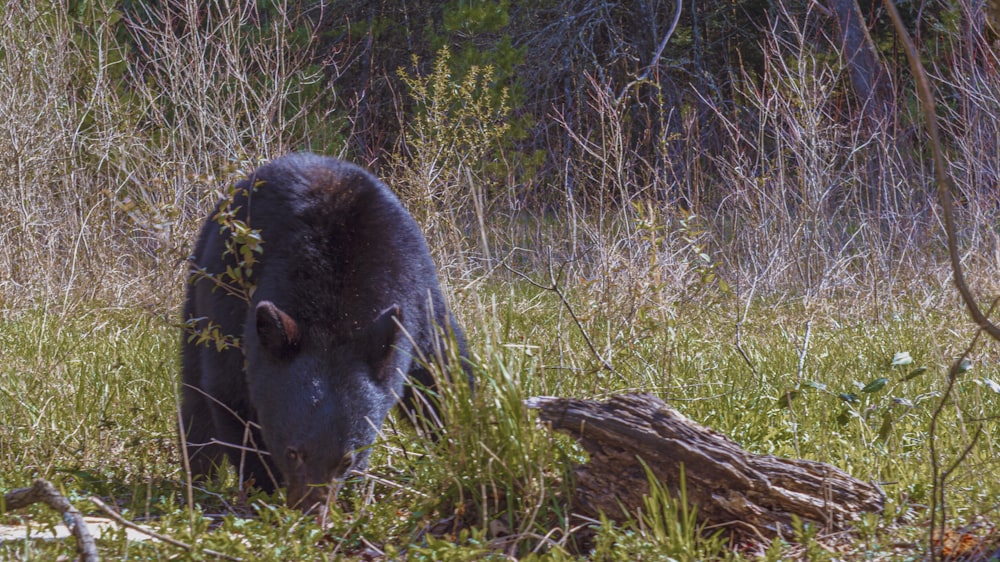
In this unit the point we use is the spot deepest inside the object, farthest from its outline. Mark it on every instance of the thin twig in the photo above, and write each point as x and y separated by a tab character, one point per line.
114	515
742	352
43	491
248	437
798	381
965	453
554	287
937	480
803	351
739	326
186	465
937	477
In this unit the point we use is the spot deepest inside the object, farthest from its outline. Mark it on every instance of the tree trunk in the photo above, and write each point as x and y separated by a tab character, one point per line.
869	77
754	496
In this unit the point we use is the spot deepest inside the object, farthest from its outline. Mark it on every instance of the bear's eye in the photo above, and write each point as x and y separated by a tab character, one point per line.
295	455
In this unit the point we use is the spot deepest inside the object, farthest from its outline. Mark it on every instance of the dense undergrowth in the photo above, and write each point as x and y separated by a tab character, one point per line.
797	299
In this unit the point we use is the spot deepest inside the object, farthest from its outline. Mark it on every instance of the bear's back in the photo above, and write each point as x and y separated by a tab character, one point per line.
338	245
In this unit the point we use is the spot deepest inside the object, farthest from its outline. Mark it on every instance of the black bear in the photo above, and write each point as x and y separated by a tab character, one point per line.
345	302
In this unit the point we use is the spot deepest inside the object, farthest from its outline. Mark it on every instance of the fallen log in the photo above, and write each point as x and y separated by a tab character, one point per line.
754	496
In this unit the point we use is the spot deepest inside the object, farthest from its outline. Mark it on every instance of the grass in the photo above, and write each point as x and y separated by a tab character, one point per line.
792	295
89	403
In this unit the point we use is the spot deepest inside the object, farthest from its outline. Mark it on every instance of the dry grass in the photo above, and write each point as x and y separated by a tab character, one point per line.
112	162
114	151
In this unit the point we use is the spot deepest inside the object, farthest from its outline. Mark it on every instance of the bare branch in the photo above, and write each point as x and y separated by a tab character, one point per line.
43	491
554	287
656	56
944	187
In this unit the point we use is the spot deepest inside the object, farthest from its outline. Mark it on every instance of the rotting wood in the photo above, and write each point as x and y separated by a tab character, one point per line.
754	496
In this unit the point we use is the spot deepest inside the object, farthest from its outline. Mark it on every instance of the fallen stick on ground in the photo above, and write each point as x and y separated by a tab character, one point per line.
43	491
160	537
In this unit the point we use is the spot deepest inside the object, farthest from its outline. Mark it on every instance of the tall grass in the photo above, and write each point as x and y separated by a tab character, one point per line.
59	226
116	146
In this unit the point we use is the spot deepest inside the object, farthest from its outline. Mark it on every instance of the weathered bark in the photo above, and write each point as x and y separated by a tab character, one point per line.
754	496
869	77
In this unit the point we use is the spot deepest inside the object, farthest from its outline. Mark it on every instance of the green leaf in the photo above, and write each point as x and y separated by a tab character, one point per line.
964	366
848	396
902	358
844	418
915	373
876	385
885	428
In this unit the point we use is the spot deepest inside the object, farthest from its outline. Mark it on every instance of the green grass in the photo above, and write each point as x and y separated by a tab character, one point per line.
90	393
88	402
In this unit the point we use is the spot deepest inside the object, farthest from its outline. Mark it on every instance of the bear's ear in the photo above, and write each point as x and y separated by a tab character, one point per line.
278	333
381	336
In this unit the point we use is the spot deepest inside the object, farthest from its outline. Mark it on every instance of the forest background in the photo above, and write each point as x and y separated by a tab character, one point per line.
729	205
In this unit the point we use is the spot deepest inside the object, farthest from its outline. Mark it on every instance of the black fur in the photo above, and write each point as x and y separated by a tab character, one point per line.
323	356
